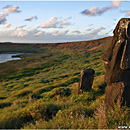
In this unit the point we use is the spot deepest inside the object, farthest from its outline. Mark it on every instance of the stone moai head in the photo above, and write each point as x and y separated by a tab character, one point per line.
117	56
122	29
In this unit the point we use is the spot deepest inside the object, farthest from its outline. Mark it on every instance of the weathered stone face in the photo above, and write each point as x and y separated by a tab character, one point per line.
117	61
117	56
86	80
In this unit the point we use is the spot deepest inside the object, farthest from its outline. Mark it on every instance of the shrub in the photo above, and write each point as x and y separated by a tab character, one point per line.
73	118
23	93
61	91
44	81
3	97
100	115
85	97
118	116
112	117
5	104
97	74
37	96
40	90
44	111
17	119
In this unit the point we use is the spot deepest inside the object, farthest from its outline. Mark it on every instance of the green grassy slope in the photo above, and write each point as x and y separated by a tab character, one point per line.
40	90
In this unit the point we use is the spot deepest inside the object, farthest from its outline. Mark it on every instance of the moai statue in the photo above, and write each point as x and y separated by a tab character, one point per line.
117	64
86	80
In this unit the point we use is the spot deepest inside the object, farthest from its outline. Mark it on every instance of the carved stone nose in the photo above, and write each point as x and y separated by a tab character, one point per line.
128	29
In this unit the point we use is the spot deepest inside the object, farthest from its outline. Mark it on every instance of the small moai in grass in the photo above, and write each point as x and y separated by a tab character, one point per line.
86	80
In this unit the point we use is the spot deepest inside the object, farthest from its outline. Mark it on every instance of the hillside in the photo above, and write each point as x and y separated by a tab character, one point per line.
40	90
81	46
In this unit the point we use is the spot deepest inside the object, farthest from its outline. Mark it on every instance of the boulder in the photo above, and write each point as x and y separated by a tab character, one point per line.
86	80
117	64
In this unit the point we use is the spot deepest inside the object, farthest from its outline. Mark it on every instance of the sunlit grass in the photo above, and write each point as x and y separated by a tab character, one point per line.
40	91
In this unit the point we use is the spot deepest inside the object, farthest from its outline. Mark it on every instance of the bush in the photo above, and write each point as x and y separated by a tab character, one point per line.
44	111
16	119
23	93
73	118
3	97
61	91
113	117
118	116
85	97
40	90
37	96
5	104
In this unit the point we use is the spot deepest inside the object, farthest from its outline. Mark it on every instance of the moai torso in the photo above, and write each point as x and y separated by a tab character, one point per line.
117	62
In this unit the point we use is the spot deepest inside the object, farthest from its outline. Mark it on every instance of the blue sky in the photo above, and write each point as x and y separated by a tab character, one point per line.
59	21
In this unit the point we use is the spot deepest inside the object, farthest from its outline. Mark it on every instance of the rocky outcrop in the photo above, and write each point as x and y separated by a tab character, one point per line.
86	80
117	64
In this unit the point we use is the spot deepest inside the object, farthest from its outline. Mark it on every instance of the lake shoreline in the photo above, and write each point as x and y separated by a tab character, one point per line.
4	57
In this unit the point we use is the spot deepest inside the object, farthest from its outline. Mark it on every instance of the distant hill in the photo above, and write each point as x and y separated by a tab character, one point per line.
79	46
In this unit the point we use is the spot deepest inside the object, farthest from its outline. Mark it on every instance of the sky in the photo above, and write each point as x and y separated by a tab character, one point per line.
59	21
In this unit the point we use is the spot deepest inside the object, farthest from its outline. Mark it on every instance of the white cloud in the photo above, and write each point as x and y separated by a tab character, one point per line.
76	32
63	19
94	11
128	13
6	10
21	26
55	32
53	18
33	31
63	32
36	36
115	4
90	12
7	25
38	33
19	33
2	18
31	18
89	29
65	24
55	22
96	31
51	23
11	9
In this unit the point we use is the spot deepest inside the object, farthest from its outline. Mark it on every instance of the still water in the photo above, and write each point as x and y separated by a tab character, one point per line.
8	57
